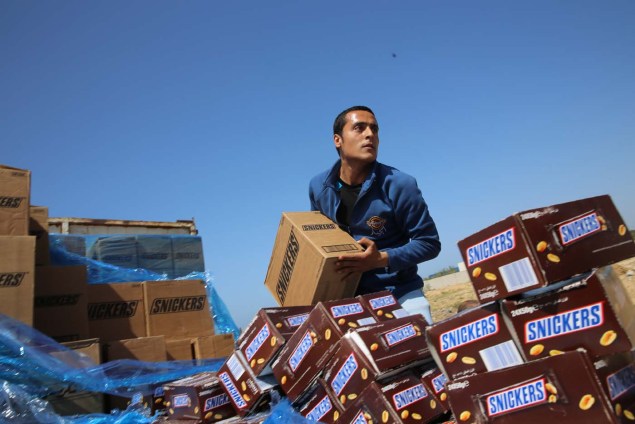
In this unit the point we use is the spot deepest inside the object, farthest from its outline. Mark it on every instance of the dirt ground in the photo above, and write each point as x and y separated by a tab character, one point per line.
444	301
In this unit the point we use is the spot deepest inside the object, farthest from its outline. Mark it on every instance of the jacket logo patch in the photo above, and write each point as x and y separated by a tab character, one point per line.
377	226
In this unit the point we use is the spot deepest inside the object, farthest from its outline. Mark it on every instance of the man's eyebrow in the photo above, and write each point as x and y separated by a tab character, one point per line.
368	124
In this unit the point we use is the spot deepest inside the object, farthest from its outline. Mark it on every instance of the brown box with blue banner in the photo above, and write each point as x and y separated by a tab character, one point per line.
592	311
534	248
267	332
474	341
199	398
302	267
561	388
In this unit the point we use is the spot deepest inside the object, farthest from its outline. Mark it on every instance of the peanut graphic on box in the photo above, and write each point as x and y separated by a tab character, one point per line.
608	337
536	349
468	360
586	402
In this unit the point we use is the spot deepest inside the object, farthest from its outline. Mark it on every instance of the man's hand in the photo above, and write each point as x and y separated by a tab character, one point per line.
370	258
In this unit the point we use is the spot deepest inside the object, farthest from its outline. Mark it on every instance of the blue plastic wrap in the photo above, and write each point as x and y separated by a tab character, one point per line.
100	272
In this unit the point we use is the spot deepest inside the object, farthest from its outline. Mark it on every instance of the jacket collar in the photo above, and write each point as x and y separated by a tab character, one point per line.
334	175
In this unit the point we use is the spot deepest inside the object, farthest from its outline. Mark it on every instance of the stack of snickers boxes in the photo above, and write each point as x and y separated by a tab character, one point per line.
148	321
17	247
554	333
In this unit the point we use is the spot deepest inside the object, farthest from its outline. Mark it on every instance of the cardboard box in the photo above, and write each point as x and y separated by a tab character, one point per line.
617	378
593	312
383	305
411	400
177	308
17	269
70	400
116	250
403	401
61	302
473	341
199	398
15	191
534	248
302	358
247	392
435	380
148	349
321	405
187	254
39	227
561	388
155	254
179	349
116	311
302	266
213	346
267	332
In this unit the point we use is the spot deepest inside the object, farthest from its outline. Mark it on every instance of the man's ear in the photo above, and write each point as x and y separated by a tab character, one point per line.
337	140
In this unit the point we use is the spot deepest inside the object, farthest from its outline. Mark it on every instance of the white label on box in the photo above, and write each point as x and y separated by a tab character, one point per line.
235	367
366	321
518	275
500	356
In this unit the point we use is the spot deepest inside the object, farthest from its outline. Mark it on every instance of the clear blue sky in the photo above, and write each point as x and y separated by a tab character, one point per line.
222	111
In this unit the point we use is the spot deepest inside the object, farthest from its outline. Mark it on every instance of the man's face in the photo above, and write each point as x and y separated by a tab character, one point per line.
359	141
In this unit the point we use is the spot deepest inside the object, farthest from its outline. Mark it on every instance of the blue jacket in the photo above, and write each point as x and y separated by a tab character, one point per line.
390	210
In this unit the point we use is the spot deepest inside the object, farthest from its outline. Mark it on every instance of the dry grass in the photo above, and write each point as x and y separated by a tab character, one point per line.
444	301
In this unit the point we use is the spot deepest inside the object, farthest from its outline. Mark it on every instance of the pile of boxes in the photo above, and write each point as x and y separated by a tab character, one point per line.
340	359
552	338
148	321
554	334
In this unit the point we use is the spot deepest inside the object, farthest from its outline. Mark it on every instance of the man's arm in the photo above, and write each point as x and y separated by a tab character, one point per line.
414	217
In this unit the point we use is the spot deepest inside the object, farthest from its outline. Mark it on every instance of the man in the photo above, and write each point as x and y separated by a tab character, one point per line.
379	206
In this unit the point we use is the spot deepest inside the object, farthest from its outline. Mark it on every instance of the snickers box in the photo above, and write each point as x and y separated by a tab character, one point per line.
199	397
534	248
177	308
561	388
267	332
370	407
303	357
473	341
411	400
434	380
393	345
593	312
246	392
15	193
116	311
383	305
617	377
321	405
302	266
348	372
346	314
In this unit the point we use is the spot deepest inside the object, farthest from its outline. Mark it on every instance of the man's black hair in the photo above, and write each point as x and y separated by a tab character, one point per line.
340	121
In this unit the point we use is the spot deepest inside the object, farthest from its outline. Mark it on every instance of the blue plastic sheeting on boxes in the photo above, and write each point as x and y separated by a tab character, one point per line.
100	272
172	255
32	365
